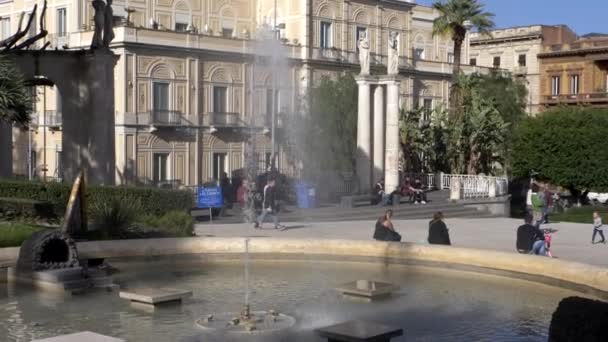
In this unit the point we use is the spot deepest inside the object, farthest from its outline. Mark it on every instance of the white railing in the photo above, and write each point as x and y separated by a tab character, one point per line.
472	186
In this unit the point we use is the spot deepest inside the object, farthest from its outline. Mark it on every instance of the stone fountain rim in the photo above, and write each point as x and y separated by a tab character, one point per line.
567	274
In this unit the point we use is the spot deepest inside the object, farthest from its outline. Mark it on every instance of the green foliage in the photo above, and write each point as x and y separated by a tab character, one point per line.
582	214
11	208
454	14
173	223
153	201
14	233
15	97
328	134
566	147
115	218
474	141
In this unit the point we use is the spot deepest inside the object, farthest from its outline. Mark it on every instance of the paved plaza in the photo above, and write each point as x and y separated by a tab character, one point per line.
571	242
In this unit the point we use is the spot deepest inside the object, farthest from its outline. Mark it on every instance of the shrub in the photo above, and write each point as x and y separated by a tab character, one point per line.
173	223
151	200
565	146
25	208
115	218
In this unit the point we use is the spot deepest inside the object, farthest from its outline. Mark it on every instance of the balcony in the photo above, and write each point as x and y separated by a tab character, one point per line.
158	119
520	70
52	119
224	120
582	98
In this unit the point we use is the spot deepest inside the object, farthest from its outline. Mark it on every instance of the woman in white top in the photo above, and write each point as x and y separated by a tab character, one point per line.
597	227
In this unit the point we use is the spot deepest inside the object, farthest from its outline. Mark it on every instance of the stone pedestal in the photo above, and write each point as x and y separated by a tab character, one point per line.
391	164
378	132
492	188
455	189
85	80
364	136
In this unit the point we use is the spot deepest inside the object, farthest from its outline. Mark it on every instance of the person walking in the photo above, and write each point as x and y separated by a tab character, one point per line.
384	230
597	228
269	207
438	231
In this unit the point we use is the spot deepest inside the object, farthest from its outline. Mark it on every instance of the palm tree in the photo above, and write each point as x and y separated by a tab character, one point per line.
455	16
15	97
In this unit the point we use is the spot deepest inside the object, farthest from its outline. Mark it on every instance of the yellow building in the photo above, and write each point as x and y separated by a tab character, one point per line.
575	73
191	89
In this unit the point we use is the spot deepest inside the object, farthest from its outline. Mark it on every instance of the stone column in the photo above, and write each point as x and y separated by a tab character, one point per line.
88	138
378	132
391	165
6	150
364	137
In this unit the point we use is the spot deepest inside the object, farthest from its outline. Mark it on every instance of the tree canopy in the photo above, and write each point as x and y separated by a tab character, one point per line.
15	97
475	141
566	147
326	138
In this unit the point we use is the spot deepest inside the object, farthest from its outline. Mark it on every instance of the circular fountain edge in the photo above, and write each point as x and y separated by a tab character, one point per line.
582	277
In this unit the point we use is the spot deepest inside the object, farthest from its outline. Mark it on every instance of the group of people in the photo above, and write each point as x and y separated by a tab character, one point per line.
414	191
259	207
438	231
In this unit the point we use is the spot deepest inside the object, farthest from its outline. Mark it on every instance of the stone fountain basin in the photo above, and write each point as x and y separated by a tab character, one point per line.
572	275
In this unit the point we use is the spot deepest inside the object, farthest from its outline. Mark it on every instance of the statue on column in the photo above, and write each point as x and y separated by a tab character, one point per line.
364	53
108	25
99	19
393	54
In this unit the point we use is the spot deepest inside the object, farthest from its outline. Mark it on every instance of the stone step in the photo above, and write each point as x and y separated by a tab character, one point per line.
422	214
58	276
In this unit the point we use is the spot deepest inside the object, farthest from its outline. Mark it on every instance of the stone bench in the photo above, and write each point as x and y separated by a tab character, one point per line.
351	201
359	331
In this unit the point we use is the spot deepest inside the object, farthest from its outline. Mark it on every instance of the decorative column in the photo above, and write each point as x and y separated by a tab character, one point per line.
378	132
364	136
391	165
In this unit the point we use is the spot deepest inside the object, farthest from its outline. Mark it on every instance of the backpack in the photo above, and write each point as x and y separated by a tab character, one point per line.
537	200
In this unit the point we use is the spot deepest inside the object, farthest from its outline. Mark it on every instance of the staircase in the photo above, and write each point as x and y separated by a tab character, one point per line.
437	201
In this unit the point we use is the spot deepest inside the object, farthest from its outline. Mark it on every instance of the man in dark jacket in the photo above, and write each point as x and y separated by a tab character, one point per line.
530	240
438	231
269	207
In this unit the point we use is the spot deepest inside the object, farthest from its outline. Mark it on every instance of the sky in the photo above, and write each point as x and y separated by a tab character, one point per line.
582	16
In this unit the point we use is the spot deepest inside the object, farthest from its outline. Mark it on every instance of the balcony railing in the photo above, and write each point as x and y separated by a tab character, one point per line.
219	120
166	118
52	119
162	118
576	98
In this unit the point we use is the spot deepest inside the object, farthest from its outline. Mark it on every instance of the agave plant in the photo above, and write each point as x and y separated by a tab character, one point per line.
116	218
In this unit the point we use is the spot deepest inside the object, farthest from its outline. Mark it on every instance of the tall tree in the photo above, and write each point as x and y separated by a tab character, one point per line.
454	17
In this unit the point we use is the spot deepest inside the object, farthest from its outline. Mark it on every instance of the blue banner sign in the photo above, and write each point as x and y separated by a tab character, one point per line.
209	197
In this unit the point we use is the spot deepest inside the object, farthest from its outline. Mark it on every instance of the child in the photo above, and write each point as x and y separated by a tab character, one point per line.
597	227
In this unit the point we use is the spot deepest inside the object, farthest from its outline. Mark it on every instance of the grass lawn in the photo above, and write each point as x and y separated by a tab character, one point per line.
582	214
13	234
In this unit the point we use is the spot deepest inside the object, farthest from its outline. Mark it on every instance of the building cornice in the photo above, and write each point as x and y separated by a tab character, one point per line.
578	52
490	41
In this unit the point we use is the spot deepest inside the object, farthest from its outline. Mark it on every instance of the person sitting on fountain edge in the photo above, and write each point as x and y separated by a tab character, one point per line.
385	231
530	240
438	231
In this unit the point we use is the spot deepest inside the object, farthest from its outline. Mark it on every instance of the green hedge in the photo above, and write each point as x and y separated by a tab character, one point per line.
153	201
26	208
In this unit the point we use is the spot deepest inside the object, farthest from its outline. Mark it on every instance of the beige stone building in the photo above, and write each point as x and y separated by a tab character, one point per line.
516	49
191	89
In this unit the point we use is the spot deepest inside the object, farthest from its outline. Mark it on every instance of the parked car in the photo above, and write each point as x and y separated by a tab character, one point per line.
595	197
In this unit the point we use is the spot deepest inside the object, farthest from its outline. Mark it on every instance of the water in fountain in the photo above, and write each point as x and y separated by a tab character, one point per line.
247	321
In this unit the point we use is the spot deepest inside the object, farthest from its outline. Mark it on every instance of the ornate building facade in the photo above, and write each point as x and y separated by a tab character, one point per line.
194	86
516	49
575	73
